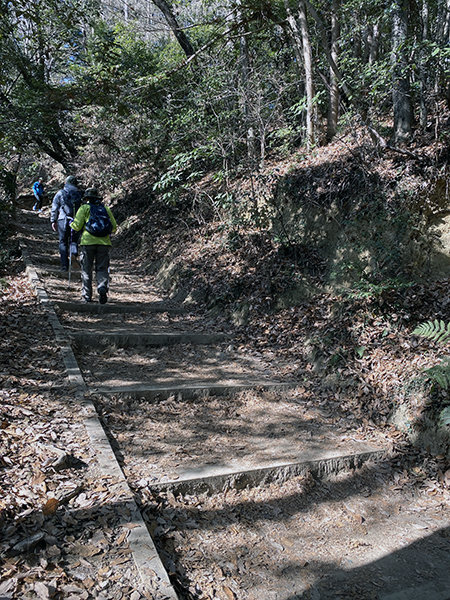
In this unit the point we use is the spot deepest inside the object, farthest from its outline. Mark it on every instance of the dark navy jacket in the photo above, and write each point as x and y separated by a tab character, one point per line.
65	203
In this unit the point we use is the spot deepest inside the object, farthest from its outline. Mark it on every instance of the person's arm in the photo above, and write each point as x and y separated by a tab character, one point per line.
80	218
55	210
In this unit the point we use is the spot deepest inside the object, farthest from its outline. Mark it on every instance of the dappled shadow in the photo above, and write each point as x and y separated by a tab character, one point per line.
354	221
206	420
416	571
250	430
87	545
274	545
181	363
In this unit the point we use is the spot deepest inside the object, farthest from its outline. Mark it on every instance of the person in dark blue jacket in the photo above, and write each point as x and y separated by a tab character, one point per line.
64	206
38	191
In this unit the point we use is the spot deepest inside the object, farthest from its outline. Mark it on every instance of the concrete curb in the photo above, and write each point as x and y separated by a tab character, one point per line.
152	572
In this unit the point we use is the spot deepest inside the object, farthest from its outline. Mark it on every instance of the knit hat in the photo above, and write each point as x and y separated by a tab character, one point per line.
92	193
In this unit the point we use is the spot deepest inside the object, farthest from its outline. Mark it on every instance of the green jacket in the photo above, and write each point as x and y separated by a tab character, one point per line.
81	218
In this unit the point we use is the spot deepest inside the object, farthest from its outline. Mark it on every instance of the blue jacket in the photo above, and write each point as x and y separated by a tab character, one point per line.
38	189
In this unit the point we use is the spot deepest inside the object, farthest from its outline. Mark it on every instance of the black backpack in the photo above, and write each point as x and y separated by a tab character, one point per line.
71	202
99	223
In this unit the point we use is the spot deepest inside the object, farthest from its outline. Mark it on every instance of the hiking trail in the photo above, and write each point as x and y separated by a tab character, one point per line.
238	487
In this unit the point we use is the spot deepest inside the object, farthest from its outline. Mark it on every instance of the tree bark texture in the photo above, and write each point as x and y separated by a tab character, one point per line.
333	106
308	65
169	15
423	67
401	94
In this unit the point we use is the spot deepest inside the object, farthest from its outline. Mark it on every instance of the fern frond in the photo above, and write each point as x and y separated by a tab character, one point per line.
444	417
440	373
435	330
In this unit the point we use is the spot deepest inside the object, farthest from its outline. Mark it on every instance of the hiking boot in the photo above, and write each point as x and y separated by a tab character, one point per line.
85	300
103	298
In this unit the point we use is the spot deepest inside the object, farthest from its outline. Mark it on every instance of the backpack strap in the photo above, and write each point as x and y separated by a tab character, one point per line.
70	210
64	206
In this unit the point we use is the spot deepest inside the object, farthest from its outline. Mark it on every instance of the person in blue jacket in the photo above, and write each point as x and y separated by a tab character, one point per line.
38	191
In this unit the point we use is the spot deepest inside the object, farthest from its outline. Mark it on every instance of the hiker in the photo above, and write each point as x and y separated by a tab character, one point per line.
64	206
38	192
97	222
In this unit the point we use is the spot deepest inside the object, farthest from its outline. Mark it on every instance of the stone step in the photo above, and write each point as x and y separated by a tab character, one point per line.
215	478
189	389
119	308
124	338
55	270
42	261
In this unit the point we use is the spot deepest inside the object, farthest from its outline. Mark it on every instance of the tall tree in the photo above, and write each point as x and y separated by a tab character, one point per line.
309	79
333	105
244	96
401	91
38	44
177	31
423	68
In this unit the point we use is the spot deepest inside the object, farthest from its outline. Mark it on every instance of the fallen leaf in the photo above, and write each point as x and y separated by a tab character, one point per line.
229	592
50	507
123	537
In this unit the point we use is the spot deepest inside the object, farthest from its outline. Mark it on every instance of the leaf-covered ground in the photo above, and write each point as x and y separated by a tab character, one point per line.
60	521
355	359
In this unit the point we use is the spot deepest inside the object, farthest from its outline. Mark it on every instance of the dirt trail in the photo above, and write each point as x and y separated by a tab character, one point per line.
322	523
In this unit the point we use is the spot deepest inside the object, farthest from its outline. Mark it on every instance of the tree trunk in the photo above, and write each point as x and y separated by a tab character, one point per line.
446	41
333	107
169	15
148	20
401	94
295	33
244	72
423	68
373	41
307	62
446	28
8	187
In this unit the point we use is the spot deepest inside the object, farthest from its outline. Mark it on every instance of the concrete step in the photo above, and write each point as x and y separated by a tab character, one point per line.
119	308
317	461
44	260
124	338
191	389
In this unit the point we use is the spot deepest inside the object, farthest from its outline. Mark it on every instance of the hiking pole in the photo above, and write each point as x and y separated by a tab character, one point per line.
70	254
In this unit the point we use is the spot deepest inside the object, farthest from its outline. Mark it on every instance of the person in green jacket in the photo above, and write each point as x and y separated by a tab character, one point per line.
95	246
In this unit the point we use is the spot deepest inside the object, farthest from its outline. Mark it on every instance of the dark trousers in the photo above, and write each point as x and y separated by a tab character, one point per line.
66	236
95	256
38	203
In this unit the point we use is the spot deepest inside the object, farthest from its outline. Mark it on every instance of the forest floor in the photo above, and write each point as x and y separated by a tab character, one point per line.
374	532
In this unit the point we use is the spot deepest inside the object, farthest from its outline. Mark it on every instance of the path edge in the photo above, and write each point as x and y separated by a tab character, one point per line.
154	576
